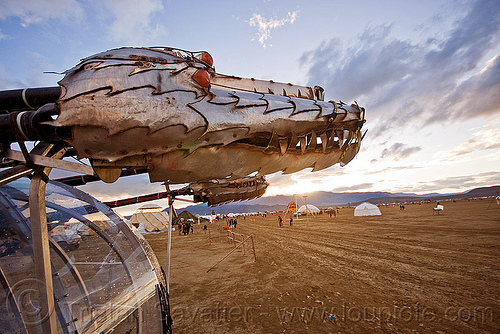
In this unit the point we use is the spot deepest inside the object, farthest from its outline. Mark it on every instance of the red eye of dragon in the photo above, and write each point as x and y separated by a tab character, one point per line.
207	58
202	78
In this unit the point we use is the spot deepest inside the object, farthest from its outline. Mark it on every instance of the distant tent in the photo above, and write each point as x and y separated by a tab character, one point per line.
310	209
186	215
150	218
367	209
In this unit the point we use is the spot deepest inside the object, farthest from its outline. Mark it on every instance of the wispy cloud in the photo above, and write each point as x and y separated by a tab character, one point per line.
265	26
403	82
123	188
7	82
37	65
35	11
455	183
391	169
480	90
280	180
357	187
399	151
133	21
486	138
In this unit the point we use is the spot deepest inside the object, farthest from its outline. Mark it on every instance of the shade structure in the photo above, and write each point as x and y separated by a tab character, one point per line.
367	209
311	209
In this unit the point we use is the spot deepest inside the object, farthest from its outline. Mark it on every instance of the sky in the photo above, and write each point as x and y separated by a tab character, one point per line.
427	72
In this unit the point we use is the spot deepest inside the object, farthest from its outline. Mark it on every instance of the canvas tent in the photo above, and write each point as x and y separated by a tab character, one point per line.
367	209
150	218
311	209
186	215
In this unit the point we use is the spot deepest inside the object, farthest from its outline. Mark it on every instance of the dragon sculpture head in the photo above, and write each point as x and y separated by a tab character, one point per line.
168	110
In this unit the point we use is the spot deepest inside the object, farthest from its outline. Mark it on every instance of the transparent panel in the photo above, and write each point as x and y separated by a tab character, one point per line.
105	274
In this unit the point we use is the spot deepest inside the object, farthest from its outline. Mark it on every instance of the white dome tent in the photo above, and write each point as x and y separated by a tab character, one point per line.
310	209
367	209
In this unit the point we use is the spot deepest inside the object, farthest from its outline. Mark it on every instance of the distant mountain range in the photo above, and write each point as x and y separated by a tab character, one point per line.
327	199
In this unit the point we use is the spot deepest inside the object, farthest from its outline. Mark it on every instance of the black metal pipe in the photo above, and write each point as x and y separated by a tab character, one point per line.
30	125
80	180
28	98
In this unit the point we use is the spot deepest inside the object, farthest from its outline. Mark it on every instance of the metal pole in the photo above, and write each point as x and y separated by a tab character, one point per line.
41	249
243	245
28	98
169	238
307	210
41	253
305	200
253	247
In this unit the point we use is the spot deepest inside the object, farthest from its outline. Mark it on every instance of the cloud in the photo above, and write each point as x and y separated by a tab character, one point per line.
133	21
476	96
7	81
123	188
399	151
401	81
391	169
35	11
487	138
356	187
265	26
454	183
280	180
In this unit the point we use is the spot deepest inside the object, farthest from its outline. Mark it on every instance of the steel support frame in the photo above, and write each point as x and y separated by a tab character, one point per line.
41	249
41	254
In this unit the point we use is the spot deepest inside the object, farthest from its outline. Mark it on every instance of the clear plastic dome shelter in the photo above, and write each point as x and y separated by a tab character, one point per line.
98	274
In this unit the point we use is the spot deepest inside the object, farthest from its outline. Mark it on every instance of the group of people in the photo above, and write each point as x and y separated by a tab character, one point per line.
185	227
232	222
280	221
333	212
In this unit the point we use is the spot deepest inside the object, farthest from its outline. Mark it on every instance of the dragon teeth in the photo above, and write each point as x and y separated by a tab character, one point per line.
324	141
283	145
274	142
293	141
340	135
303	144
313	141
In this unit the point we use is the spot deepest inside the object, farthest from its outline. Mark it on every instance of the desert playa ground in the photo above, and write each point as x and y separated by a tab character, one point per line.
408	271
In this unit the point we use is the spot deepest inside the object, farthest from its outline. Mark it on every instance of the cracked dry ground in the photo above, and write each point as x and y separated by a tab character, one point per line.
403	272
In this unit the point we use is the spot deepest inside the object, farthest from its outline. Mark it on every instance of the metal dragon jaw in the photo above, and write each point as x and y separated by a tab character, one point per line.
169	111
